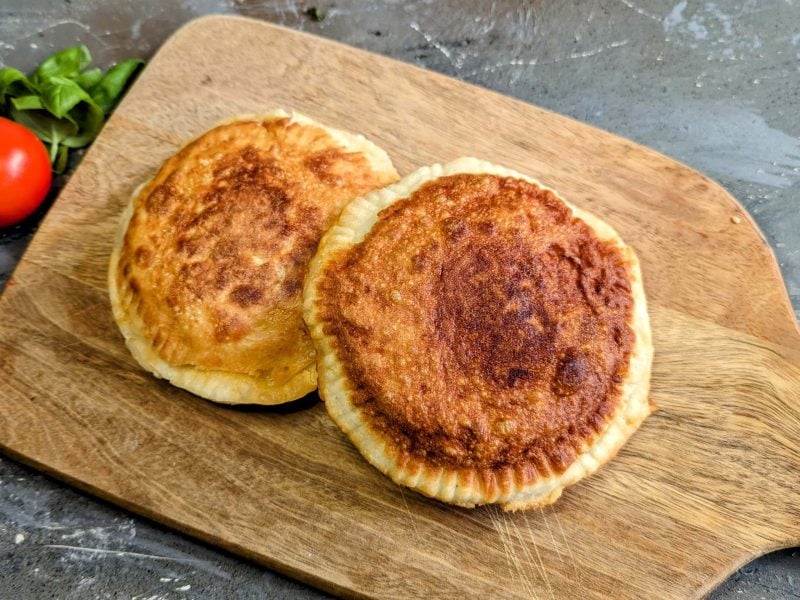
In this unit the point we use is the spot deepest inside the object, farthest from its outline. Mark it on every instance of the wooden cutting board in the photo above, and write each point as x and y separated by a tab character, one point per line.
710	481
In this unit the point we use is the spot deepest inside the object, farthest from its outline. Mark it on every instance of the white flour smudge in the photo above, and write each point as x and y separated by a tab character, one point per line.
696	28
710	27
675	17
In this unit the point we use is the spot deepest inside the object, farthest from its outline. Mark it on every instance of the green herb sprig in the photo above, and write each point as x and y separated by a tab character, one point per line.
315	14
63	101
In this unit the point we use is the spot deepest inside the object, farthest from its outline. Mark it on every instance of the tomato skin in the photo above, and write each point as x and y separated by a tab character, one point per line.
25	173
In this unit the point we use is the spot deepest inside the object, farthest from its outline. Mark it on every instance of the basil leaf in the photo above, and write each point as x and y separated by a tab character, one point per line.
106	92
62	102
27	103
13	83
315	14
66	63
89	118
44	125
60	95
88	79
65	99
53	151
61	159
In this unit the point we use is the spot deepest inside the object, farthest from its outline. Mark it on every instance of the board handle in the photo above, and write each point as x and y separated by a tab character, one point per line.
776	423
735	396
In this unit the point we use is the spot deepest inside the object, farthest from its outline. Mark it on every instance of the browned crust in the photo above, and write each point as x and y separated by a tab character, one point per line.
499	336
209	272
439	311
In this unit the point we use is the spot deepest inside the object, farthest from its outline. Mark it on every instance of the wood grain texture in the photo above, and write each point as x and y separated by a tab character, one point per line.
710	480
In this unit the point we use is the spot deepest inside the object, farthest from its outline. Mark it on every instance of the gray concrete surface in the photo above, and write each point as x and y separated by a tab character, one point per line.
713	84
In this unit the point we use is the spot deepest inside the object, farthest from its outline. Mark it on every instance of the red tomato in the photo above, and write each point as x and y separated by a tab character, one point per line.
24	172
